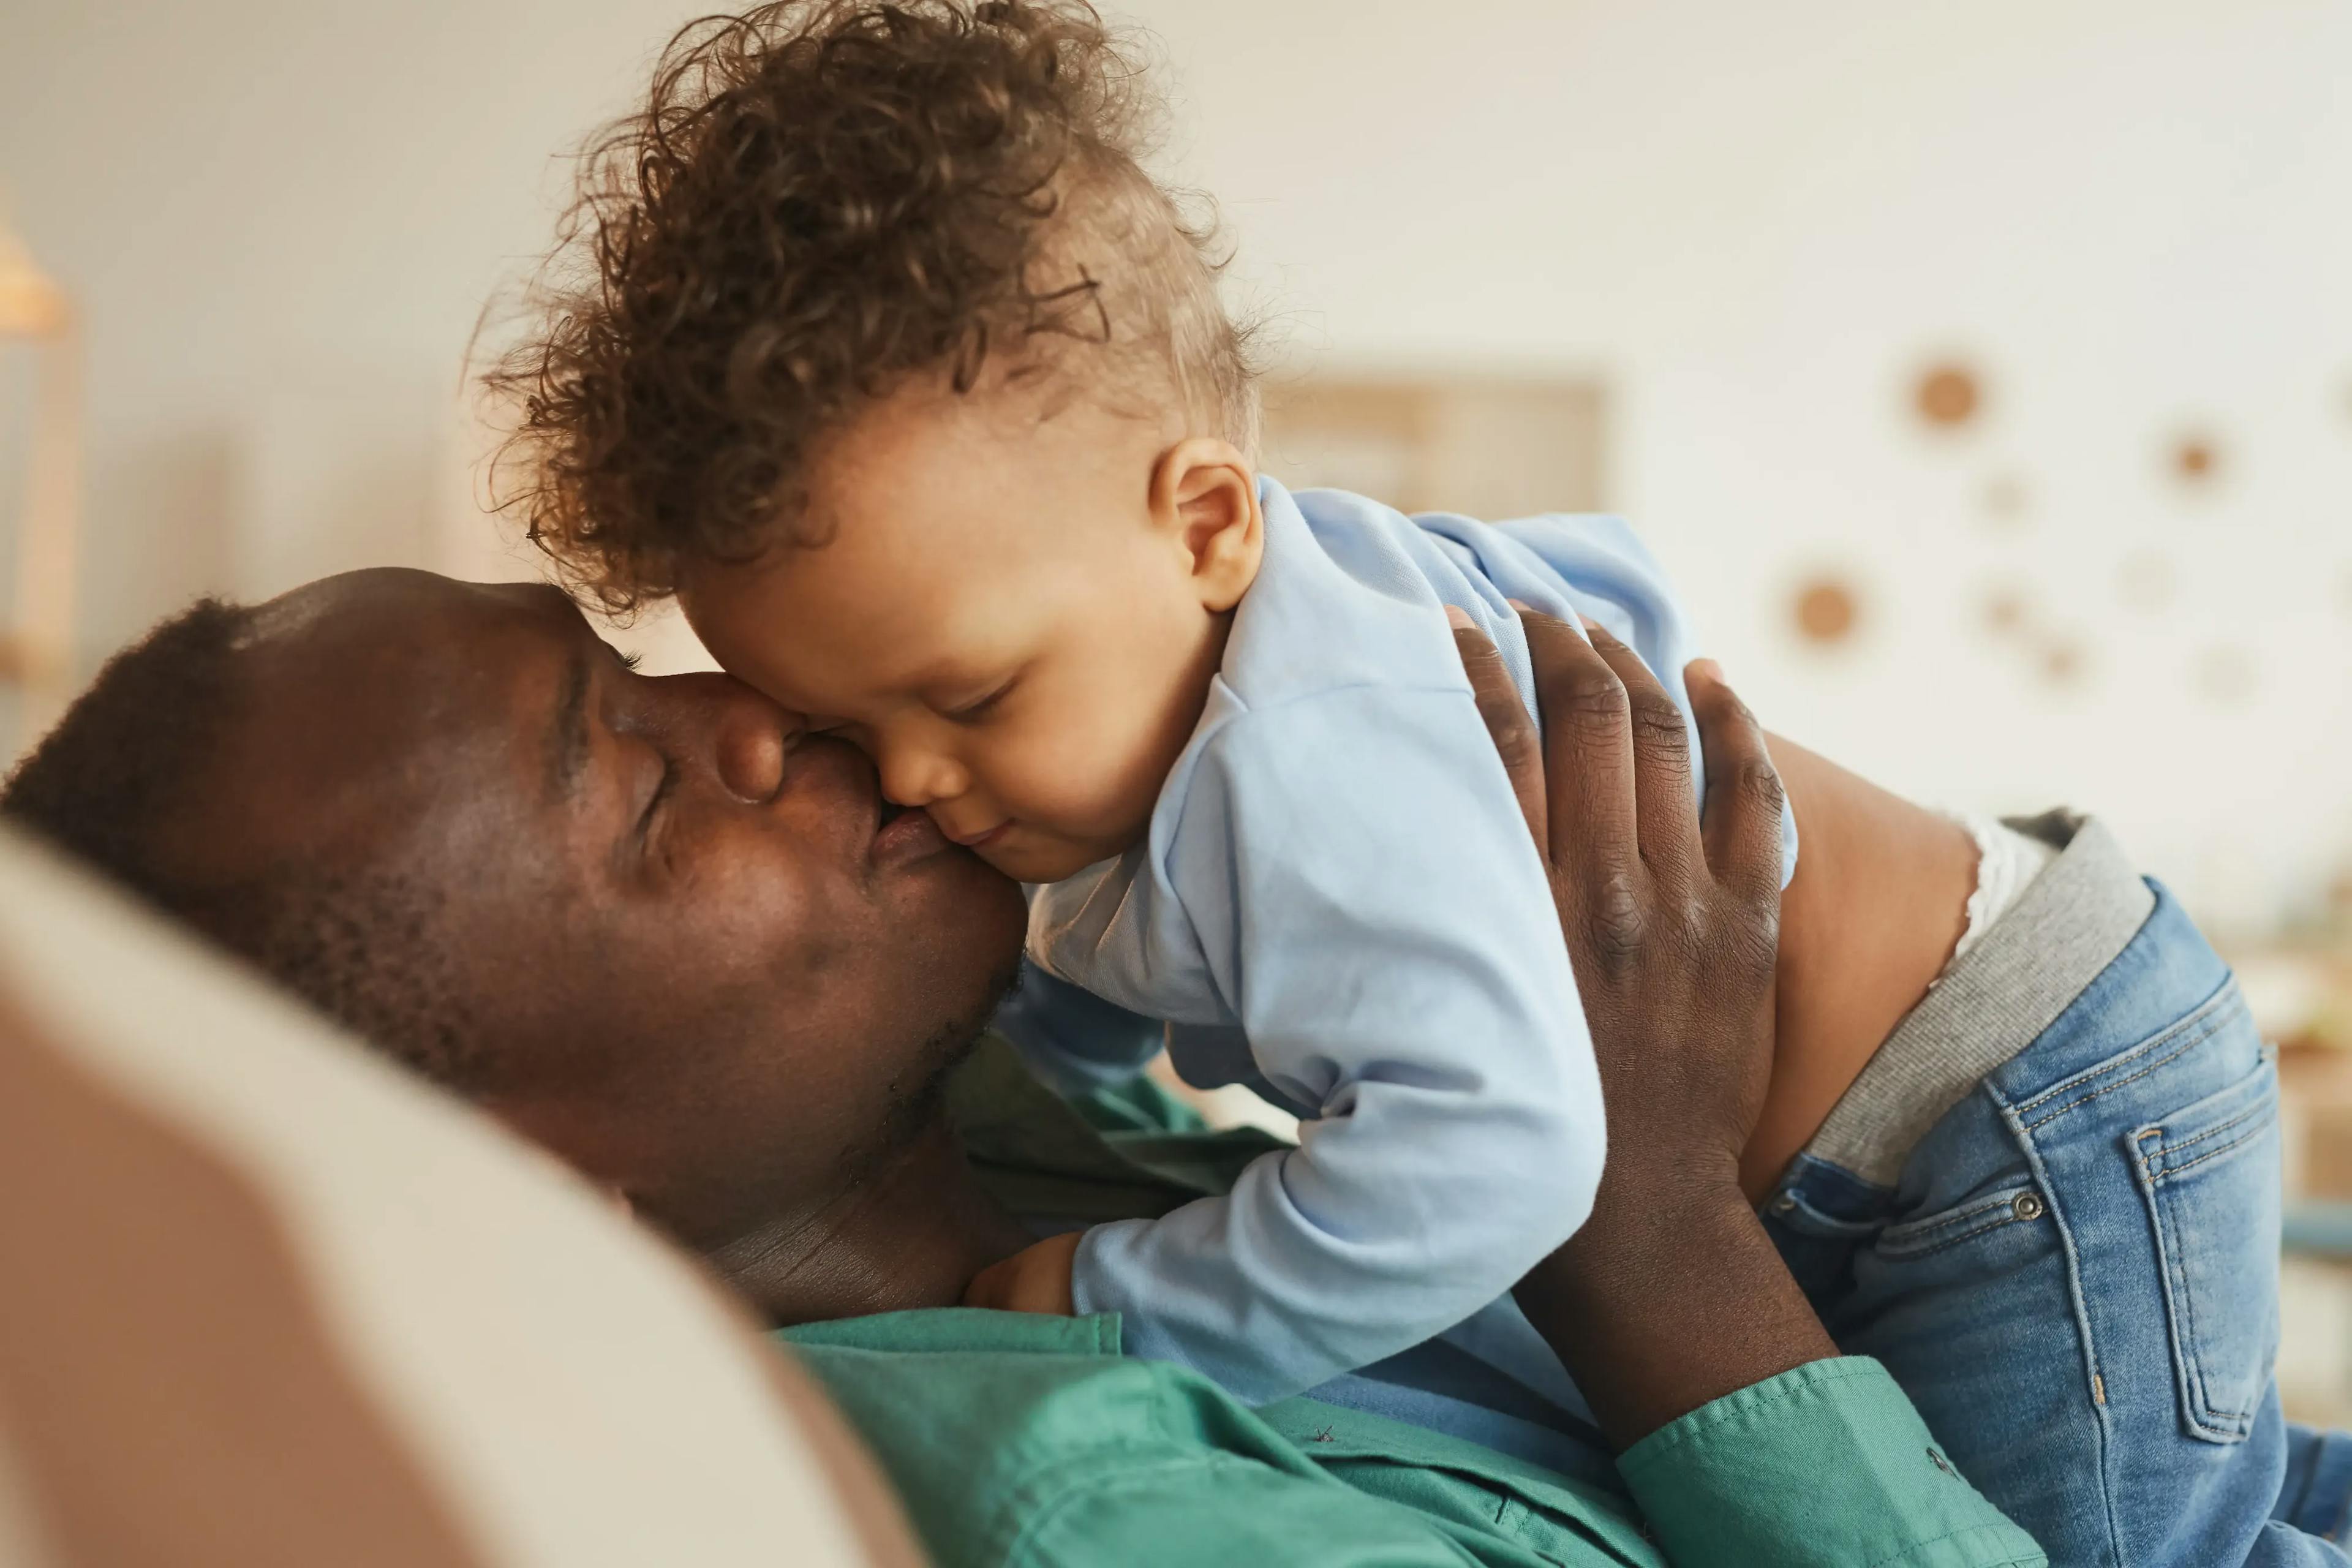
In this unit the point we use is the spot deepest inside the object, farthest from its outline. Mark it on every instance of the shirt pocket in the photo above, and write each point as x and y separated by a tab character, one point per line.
2210	1176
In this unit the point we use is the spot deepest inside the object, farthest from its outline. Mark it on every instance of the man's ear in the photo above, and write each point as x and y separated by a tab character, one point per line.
1205	495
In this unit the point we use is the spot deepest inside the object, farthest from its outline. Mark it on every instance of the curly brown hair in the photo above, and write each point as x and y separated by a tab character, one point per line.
819	199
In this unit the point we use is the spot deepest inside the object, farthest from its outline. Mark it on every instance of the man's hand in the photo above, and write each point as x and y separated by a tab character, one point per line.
1672	1295
1035	1279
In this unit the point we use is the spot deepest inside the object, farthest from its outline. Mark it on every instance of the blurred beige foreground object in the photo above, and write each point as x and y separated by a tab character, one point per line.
36	636
265	1302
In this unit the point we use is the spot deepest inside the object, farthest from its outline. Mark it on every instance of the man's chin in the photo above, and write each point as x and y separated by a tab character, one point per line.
958	891
949	1046
965	936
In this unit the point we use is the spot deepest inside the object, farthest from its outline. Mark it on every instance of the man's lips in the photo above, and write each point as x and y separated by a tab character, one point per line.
903	836
839	772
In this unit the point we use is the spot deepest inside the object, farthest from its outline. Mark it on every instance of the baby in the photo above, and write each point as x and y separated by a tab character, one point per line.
912	385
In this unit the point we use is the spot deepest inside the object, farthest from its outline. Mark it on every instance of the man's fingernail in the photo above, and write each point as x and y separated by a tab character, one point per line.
1706	669
1459	619
1521	606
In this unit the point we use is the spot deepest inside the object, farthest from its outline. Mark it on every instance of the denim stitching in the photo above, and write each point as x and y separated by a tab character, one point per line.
1993	1212
2124	1059
2205	1029
2170	1171
2211	1416
2213	1131
2225	998
1900	1254
1958	1216
2176	1283
2185	1048
2258	1104
2092	1360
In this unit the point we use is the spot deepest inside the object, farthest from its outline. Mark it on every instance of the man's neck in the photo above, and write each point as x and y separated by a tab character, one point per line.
912	1233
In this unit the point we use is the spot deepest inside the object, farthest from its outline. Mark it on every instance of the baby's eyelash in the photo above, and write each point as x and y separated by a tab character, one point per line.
975	710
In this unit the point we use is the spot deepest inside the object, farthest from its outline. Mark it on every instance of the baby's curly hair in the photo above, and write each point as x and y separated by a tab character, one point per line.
818	200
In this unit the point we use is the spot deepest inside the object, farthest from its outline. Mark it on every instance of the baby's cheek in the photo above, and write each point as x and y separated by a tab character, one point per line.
1081	793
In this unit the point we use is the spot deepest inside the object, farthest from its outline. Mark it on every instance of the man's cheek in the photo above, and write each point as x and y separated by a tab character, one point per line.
776	941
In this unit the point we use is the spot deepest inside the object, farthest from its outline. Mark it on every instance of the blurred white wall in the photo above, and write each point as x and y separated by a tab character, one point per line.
283	221
1757	221
1760	220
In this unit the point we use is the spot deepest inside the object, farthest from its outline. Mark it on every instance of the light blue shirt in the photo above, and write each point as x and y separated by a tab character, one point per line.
1337	904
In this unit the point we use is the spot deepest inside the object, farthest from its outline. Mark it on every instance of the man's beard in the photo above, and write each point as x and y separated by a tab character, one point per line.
918	1107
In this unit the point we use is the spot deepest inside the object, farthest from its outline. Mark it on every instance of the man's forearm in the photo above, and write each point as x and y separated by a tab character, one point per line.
1667	1300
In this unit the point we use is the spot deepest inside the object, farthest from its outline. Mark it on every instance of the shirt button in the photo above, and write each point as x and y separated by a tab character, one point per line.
2027	1207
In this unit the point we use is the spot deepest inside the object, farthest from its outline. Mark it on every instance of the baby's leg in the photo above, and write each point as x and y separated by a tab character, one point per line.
2317	1495
2073	1273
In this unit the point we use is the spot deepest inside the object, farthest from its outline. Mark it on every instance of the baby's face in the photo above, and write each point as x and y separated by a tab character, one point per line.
999	618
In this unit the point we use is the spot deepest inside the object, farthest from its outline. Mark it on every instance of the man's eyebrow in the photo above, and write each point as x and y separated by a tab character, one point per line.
567	739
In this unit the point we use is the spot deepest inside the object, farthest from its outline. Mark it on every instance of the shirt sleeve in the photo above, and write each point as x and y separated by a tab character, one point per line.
1598	567
1072	1038
1828	1463
1369	904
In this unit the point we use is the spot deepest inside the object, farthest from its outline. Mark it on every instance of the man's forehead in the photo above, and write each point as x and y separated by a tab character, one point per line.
410	673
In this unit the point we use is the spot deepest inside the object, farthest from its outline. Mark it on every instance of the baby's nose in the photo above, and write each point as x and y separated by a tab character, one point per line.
917	777
750	752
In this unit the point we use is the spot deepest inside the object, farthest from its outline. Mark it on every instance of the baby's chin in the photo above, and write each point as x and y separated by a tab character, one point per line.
1026	855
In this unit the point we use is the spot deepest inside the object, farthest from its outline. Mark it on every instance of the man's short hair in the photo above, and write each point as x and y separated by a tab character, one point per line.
121	784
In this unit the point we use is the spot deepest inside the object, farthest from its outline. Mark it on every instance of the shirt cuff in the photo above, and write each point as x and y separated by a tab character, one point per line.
1827	1463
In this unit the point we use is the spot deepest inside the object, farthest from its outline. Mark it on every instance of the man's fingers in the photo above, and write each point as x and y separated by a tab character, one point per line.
1507	723
1588	759
1742	821
1663	793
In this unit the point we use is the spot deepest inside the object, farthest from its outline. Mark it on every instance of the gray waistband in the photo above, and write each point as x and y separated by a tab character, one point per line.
2066	927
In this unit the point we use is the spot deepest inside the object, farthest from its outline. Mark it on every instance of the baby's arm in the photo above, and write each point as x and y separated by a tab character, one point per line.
1365	897
1071	1037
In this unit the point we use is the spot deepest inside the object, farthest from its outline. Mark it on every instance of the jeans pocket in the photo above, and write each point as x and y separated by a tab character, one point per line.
2209	1174
2008	1202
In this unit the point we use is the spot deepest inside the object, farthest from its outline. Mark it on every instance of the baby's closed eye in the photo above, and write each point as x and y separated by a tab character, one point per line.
971	710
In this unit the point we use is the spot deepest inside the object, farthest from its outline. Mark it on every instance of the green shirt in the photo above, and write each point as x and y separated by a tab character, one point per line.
1031	1442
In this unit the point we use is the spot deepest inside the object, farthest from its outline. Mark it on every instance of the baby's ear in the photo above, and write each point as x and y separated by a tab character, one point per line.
1205	492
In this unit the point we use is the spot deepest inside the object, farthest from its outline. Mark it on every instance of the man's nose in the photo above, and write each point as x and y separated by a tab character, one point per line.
749	743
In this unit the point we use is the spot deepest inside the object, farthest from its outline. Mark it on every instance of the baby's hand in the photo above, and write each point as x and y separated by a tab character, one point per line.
1035	1279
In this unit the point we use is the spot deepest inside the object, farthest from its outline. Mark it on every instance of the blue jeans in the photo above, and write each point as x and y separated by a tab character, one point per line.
2075	1278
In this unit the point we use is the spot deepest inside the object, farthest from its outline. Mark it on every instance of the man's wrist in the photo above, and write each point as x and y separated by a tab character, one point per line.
1671	1297
1643	1192
1645	1228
